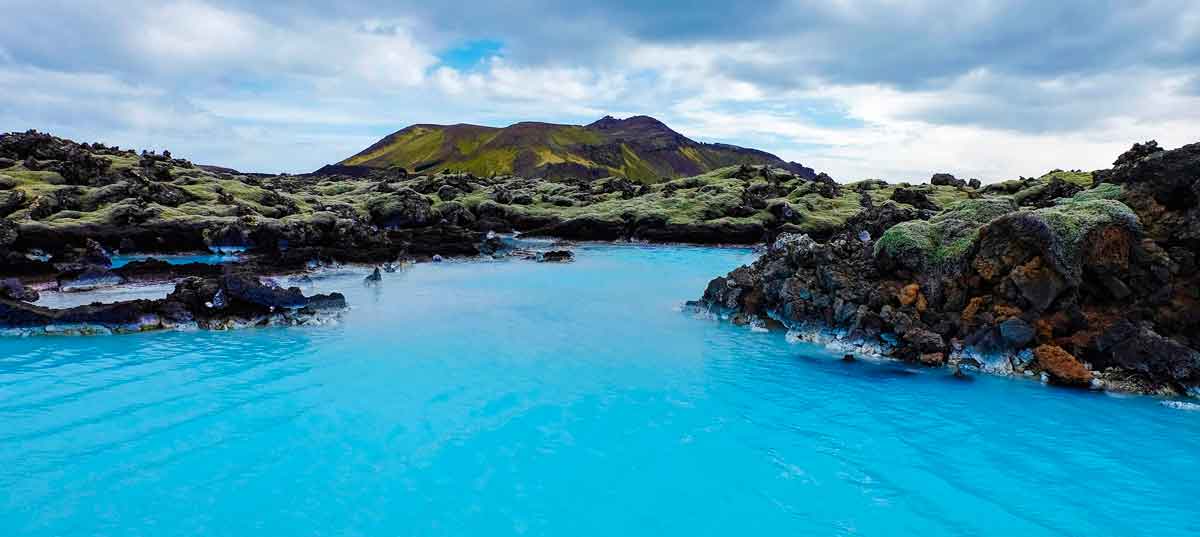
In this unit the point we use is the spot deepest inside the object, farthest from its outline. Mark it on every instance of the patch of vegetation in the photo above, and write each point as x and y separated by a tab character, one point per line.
570	135
944	240
1102	191
1083	179
1073	220
640	149
409	149
488	162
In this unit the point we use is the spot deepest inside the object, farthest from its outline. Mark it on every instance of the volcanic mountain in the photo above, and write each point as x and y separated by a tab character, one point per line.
640	148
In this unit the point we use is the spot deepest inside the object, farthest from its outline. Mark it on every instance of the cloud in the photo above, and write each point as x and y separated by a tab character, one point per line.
856	87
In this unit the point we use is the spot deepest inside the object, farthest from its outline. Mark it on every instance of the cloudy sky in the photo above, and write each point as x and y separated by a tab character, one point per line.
873	88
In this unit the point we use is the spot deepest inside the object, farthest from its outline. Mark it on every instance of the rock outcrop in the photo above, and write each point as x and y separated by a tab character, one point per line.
214	303
1085	284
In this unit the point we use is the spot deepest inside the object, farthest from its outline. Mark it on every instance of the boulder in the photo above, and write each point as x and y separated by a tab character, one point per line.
448	193
915	198
1016	333
501	195
248	289
403	208
556	256
1141	349
1049	194
1061	366
945	179
456	214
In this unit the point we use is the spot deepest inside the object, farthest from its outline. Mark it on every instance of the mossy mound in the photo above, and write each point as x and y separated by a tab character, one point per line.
943	241
1062	234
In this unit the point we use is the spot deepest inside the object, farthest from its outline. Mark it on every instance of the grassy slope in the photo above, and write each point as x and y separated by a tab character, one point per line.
489	151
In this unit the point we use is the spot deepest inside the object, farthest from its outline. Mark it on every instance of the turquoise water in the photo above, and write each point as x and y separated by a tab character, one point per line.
217	258
516	398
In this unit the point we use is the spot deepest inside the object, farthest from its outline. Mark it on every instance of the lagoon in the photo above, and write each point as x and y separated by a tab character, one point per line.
518	398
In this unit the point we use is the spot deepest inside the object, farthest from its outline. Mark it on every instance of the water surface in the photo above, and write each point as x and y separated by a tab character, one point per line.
516	398
213	258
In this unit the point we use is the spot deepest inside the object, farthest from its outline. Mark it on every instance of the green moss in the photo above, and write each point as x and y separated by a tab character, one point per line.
574	135
945	240
468	143
819	213
1103	191
635	168
1083	179
488	162
945	196
410	149
122	162
977	211
1072	220
914	235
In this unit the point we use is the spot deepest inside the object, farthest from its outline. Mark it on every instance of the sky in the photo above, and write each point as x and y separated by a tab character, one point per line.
892	89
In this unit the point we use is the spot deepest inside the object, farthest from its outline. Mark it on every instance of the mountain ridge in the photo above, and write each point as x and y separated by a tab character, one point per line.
639	147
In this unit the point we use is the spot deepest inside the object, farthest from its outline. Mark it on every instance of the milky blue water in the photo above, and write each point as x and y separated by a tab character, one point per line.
516	398
215	258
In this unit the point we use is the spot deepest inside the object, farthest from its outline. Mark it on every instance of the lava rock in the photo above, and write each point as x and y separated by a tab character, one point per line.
1015	333
945	179
1062	367
556	256
13	289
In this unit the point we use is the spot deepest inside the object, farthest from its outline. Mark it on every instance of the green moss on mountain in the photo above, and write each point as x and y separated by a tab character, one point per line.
638	148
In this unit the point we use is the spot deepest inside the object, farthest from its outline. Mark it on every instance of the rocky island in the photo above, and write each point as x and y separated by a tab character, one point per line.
1083	278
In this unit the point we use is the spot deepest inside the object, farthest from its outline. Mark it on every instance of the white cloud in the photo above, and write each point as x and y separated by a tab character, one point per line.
182	34
193	39
500	79
853	90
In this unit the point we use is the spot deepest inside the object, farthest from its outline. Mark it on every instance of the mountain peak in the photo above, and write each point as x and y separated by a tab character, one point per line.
637	147
632	124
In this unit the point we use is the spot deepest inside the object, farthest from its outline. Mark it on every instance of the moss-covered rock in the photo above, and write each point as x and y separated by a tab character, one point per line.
1060	234
943	241
403	208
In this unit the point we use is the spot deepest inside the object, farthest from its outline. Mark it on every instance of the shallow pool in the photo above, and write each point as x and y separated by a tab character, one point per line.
215	258
517	398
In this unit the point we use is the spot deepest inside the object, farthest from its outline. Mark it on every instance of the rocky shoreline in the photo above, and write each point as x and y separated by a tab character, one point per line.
1092	287
56	195
229	301
1085	279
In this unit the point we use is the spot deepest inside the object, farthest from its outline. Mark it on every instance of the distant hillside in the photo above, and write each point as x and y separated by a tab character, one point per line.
640	148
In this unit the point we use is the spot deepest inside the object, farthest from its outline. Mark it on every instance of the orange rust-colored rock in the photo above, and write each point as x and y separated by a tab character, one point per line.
1061	366
1109	248
1004	311
922	304
972	308
908	294
1045	328
932	358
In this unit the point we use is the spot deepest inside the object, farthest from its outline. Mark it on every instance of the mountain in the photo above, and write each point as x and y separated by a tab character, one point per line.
640	148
